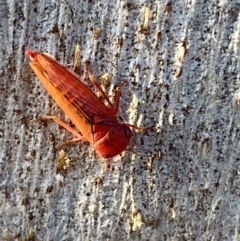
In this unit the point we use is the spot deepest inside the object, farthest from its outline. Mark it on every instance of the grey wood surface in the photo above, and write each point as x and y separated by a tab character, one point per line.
178	182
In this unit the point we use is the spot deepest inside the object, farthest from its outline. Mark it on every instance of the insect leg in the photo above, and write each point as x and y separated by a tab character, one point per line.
63	124
73	141
141	129
118	95
78	138
93	80
106	164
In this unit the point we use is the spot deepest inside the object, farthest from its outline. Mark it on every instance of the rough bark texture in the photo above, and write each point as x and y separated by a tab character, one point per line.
178	182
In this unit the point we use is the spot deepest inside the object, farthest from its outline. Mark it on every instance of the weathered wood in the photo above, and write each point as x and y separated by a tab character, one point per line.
179	182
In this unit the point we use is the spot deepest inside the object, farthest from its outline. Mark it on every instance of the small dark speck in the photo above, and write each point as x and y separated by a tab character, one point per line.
49	188
30	216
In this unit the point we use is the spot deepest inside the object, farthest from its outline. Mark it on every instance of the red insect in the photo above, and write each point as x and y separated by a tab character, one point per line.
96	120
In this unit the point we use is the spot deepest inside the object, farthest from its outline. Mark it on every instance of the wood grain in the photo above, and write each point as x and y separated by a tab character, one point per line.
180	182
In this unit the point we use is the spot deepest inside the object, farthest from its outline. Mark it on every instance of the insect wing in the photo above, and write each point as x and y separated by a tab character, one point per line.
77	93
76	100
